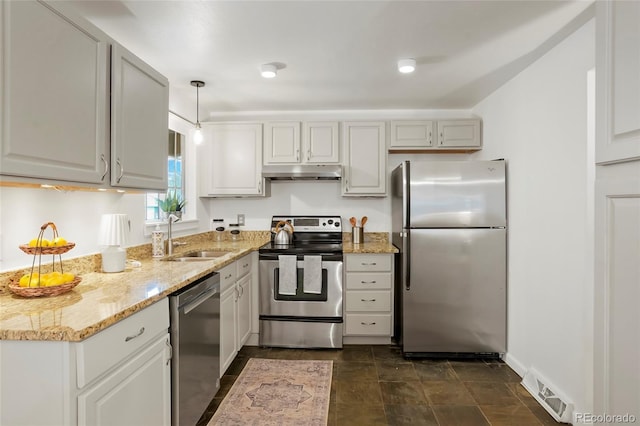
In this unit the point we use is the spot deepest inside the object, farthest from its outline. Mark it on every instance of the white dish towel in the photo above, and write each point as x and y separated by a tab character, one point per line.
288	274
313	274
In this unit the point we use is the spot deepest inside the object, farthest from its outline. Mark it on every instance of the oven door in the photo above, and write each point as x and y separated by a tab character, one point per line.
327	304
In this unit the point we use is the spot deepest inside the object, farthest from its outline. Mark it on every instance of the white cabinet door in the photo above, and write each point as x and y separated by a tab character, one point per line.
321	142
244	310
282	142
139	123
54	95
137	393
411	134
232	161
365	160
228	335
459	133
618	81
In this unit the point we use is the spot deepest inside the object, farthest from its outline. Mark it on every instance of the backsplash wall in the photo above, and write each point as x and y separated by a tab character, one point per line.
316	198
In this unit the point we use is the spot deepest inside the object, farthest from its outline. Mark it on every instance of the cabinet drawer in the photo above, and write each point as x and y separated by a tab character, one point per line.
368	262
368	301
106	349
243	266
368	325
228	276
368	280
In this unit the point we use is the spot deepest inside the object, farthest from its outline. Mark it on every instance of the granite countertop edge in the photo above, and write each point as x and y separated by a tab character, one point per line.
103	299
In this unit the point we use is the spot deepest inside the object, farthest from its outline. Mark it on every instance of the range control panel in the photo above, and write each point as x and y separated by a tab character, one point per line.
310	223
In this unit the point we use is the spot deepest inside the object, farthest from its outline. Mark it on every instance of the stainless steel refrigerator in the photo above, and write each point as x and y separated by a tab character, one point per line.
449	222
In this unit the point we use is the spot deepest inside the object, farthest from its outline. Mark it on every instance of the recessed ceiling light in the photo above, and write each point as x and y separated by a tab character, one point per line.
268	70
407	66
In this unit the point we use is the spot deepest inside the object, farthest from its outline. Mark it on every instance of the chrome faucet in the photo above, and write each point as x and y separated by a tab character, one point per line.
170	243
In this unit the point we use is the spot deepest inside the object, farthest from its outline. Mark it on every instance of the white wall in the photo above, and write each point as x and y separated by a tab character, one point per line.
77	216
315	197
538	123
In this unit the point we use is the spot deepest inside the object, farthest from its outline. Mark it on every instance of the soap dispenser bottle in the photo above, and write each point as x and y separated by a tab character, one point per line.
157	242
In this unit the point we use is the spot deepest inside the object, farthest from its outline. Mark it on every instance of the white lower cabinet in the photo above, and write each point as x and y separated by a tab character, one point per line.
126	395
235	309
119	376
368	295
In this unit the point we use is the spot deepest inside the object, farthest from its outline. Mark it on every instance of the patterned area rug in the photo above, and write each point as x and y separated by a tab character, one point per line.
278	392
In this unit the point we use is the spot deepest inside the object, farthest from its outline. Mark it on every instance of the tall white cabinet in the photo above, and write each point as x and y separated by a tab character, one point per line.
364	158
617	215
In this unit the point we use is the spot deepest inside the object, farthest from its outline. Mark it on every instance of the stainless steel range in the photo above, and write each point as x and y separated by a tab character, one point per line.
301	284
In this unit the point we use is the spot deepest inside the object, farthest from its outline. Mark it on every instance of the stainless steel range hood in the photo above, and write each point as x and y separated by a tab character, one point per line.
302	172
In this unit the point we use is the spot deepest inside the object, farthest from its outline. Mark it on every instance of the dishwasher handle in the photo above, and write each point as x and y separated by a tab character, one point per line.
199	300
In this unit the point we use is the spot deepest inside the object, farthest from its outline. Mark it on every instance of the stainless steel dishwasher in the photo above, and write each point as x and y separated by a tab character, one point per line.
195	337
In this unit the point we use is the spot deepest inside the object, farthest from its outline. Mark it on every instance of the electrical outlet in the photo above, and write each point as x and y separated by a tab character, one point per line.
241	219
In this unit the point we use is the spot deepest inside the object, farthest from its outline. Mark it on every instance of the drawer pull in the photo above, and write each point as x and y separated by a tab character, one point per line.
135	335
368	323
368	282
245	265
367	300
228	276
369	264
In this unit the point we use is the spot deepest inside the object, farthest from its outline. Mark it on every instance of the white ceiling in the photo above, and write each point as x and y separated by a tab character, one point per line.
335	55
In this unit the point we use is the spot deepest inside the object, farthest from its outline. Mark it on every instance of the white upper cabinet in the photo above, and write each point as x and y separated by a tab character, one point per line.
54	93
432	136
61	100
282	142
411	134
459	134
618	81
231	161
365	159
139	122
321	142
318	143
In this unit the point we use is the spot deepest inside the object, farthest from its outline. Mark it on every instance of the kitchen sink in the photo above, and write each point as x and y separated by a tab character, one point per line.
196	256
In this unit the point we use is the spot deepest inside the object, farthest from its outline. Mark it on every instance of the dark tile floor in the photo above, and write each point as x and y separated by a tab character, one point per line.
375	385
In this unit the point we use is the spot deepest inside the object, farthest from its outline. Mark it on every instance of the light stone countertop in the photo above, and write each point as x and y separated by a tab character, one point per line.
102	299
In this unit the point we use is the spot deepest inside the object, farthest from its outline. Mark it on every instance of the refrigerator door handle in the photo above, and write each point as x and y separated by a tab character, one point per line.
406	260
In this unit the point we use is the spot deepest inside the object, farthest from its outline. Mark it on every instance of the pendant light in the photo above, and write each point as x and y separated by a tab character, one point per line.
197	135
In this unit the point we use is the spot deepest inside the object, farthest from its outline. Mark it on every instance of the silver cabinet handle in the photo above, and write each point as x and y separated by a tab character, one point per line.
298	154
106	167
121	170
441	138
367	323
368	282
170	351
367	300
259	187
368	264
228	276
308	155
135	335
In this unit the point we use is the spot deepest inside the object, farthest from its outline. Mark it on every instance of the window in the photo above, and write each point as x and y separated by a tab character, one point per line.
175	175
